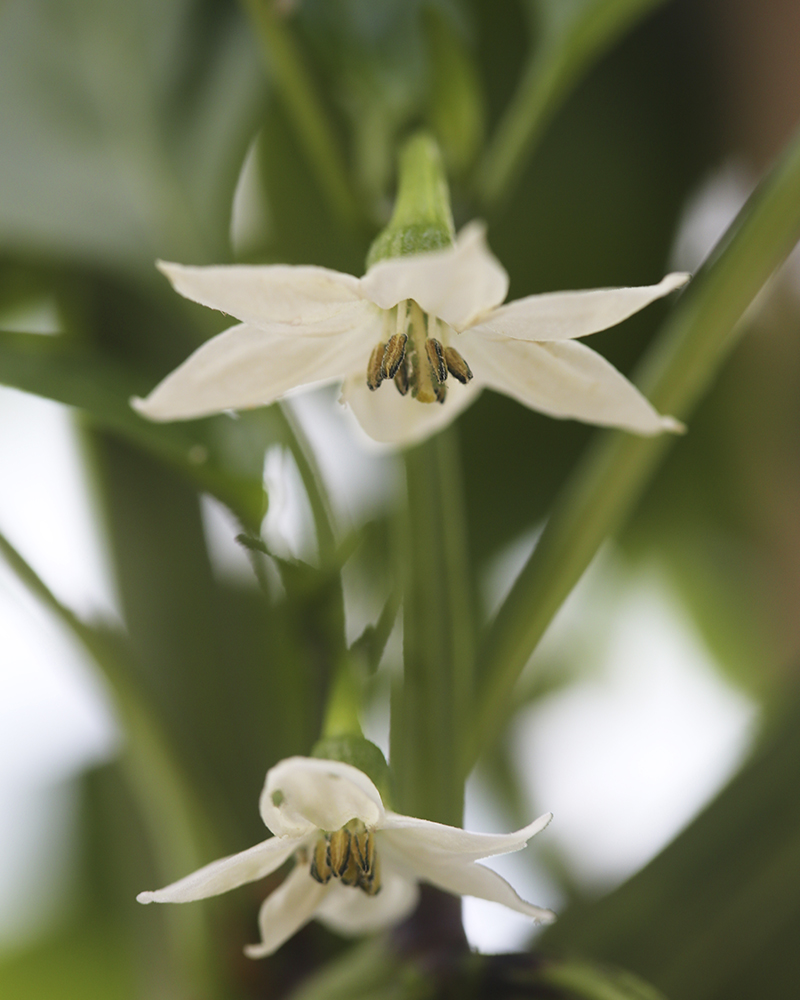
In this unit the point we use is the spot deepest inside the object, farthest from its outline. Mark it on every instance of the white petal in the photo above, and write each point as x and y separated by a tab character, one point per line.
565	379
286	910
276	293
459	285
250	366
387	416
227	873
566	315
302	794
459	877
436	842
350	911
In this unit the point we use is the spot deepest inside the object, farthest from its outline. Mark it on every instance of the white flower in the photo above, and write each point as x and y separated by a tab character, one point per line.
438	312
357	864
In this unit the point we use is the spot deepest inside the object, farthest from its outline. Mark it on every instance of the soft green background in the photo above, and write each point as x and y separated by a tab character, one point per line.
577	128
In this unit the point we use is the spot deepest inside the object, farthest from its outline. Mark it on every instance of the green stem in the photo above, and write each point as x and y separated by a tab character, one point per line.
296	87
313	483
606	485
430	709
161	793
571	45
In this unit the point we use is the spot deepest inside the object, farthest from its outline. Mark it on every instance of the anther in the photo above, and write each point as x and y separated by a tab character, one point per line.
339	851
401	379
320	865
394	355
436	357
364	850
457	366
375	367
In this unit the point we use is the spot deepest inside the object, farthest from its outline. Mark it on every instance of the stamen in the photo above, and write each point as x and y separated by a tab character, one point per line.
339	851
320	865
401	379
457	366
364	850
436	357
394	355
375	367
371	884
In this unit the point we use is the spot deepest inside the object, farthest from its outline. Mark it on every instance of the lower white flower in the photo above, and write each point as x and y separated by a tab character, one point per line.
357	864
412	321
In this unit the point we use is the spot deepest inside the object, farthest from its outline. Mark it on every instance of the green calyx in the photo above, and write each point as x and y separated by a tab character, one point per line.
422	219
360	753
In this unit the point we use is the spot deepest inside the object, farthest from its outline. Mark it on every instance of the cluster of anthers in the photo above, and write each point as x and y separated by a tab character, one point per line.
347	854
414	357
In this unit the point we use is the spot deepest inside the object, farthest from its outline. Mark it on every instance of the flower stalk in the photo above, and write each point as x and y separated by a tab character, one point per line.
431	709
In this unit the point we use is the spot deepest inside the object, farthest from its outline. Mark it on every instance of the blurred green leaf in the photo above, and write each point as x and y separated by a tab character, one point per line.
220	455
571	35
716	915
584	981
605	487
124	126
87	958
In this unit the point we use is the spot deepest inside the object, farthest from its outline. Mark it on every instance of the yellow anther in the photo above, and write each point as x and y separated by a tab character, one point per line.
375	367
457	366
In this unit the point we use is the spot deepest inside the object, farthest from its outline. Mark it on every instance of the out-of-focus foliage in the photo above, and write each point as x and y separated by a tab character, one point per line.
124	129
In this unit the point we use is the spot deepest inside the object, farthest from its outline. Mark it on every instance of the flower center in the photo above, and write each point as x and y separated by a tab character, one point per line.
349	855
415	357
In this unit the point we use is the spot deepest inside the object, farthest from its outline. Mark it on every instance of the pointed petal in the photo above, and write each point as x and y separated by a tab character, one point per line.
475	880
437	843
458	877
286	910
302	794
564	379
227	873
250	366
567	315
459	285
262	295
387	416
350	911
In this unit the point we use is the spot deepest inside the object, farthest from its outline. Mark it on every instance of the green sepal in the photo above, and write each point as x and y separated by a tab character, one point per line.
422	219
360	753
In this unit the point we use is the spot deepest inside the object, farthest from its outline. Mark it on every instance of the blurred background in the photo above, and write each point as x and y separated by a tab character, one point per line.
659	718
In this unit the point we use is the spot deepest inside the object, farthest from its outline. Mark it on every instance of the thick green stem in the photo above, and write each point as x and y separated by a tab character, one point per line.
607	484
430	709
297	89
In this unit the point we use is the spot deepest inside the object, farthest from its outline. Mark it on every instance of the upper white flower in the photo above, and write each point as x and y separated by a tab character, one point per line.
414	319
357	864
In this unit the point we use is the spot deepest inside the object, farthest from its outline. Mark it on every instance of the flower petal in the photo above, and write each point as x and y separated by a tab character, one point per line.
567	315
350	911
465	879
437	843
563	379
459	285
387	416
250	366
286	910
227	873
302	794
260	294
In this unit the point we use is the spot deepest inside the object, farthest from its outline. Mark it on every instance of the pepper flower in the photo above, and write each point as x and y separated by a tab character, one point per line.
357	863
421	321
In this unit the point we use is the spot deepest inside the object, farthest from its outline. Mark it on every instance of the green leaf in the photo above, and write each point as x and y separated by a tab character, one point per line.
607	484
584	981
715	916
124	126
220	455
572	35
